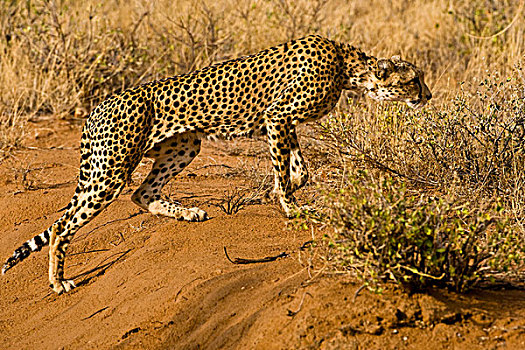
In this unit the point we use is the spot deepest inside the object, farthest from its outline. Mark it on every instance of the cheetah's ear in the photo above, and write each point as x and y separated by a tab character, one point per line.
384	68
396	58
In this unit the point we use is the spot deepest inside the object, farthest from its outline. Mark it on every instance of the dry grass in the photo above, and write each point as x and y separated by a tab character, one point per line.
62	57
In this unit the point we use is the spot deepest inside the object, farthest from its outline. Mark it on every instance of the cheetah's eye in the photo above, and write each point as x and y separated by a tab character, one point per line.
414	81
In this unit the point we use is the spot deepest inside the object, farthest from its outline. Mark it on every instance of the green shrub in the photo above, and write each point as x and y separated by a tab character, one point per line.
383	232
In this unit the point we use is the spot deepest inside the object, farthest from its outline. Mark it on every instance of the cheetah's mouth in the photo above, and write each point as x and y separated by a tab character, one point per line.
416	104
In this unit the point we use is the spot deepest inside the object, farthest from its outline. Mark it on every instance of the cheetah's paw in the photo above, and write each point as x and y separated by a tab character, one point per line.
63	286
301	212
194	214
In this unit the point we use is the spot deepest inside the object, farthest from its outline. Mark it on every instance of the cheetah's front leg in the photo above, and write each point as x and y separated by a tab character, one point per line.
298	170
279	139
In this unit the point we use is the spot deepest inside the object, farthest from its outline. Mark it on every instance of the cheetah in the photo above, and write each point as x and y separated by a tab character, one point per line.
267	93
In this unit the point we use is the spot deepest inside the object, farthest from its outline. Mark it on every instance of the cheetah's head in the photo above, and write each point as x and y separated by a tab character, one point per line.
398	80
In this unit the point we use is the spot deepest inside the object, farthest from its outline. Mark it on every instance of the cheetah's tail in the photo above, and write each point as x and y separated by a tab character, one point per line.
38	242
35	244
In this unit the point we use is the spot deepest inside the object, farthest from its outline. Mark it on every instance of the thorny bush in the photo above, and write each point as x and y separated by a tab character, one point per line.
383	232
473	146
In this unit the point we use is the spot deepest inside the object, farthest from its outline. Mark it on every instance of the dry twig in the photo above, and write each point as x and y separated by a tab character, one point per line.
241	261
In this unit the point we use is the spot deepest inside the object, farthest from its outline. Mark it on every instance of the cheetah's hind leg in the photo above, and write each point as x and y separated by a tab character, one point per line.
171	156
87	204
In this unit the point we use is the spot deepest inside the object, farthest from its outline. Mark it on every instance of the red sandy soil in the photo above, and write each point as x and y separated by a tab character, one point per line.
147	282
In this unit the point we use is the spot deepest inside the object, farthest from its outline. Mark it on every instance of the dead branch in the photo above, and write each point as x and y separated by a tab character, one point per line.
94	313
255	261
293	313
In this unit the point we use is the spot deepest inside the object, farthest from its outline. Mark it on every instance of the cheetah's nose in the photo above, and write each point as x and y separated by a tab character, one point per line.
429	96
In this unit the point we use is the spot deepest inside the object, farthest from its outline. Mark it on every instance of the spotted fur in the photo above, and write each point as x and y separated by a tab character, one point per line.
270	93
